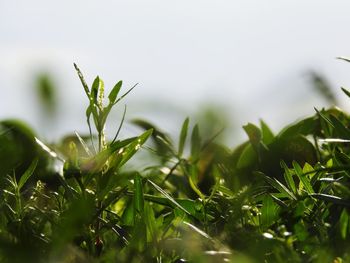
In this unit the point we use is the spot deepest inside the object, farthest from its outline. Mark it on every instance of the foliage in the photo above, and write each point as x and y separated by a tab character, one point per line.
275	198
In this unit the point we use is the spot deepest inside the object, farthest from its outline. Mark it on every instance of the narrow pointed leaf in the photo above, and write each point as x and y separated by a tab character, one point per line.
346	92
166	195
183	136
83	143
135	146
114	92
138	196
27	174
82	80
280	187
344	224
267	134
332	198
195	142
304	179
288	177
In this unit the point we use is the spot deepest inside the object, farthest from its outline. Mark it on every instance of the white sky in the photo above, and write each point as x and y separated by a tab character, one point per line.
249	57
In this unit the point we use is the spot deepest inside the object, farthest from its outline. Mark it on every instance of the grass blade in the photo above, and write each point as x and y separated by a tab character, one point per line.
27	174
346	91
195	142
332	198
279	186
82	142
304	180
166	195
288	177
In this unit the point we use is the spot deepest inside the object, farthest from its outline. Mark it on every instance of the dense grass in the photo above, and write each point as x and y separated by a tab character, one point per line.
275	198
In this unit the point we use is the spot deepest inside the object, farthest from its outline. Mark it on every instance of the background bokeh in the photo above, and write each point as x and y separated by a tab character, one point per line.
247	59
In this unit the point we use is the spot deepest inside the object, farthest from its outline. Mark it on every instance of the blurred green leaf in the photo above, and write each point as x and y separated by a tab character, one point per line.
254	135
46	91
248	157
183	136
346	91
167	196
269	211
195	143
304	127
340	130
267	134
27	174
138	196
344	223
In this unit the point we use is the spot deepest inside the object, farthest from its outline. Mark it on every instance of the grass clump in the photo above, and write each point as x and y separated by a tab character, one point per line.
281	197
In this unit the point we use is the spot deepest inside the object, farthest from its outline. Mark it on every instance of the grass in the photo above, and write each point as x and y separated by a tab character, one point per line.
281	197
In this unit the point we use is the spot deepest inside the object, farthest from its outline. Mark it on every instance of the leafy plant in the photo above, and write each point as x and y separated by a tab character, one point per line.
281	197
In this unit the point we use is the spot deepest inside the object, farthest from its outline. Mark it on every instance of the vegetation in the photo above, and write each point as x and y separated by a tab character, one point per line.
275	198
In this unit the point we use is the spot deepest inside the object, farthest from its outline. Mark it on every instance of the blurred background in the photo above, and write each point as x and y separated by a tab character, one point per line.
232	61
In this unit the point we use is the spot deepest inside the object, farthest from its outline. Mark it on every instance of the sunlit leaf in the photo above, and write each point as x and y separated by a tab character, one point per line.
288	177
304	180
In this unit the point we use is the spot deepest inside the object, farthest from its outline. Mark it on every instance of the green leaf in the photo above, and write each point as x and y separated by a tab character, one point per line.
163	143
332	198
195	142
192	207
151	223
346	92
95	88
133	147
167	196
114	92
279	186
324	117
193	181
27	174
304	180
304	127
82	80
288	177
183	136
83	143
344	224
248	157
126	93
128	213
340	130
269	211
254	134
139	238
138	197
267	134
